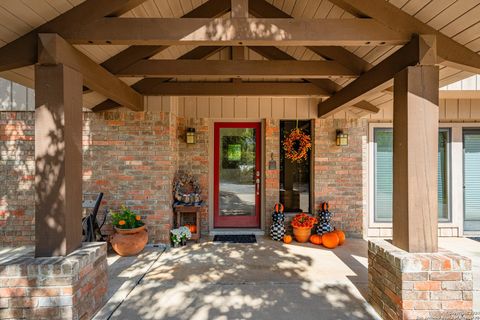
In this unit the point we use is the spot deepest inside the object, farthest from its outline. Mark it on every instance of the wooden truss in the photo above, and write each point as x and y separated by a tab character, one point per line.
255	24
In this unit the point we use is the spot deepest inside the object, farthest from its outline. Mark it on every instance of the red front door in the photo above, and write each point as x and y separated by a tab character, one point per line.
237	175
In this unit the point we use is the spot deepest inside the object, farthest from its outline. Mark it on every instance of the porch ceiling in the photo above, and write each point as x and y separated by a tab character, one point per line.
455	19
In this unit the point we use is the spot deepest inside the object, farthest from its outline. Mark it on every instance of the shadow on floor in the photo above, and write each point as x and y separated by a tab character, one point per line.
267	280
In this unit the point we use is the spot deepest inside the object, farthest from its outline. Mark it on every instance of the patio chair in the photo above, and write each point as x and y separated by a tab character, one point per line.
91	228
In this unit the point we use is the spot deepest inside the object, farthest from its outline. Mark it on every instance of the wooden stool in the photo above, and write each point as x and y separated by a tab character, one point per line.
181	211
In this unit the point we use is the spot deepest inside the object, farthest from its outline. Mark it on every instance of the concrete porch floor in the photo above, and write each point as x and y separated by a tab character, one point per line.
267	280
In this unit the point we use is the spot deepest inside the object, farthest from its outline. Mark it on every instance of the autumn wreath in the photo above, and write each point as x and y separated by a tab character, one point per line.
296	145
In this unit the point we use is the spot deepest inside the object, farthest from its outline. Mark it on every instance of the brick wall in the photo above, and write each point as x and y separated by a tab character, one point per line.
17	169
272	176
71	287
193	158
131	157
404	285
341	172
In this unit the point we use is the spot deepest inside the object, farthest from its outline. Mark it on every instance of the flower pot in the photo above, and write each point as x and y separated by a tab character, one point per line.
302	234
129	242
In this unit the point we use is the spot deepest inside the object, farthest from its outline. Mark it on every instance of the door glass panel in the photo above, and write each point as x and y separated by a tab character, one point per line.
471	145
237	172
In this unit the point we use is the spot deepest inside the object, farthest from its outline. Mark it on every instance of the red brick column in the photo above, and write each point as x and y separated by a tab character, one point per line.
404	285
70	287
272	176
341	172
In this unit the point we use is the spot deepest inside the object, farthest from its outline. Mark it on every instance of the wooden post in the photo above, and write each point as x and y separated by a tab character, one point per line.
415	164
58	160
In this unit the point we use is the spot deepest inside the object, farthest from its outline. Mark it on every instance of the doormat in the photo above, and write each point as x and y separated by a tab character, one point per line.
474	238
235	238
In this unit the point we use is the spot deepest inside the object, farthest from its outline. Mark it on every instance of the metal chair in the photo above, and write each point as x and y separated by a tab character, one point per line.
91	228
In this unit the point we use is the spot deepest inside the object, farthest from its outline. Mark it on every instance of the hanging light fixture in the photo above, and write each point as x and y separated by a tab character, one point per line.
342	138
190	136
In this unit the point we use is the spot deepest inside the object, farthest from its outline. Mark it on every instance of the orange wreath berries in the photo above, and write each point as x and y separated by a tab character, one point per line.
303	220
296	145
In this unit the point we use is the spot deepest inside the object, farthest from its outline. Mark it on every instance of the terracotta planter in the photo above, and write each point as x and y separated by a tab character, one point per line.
302	234
129	242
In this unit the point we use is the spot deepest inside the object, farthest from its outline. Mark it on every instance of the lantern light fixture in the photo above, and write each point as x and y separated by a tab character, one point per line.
342	138
190	136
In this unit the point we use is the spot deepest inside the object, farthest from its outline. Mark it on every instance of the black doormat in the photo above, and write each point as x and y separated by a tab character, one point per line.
235	238
474	238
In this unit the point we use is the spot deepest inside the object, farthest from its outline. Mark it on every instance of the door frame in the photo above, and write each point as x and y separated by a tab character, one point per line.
215	126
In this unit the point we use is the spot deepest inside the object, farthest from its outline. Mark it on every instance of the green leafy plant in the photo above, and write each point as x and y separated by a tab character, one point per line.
126	219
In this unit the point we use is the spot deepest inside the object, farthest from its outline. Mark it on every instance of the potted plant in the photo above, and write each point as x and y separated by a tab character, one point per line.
130	235
302	225
180	235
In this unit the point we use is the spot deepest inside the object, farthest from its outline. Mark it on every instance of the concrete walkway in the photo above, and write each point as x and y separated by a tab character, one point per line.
267	280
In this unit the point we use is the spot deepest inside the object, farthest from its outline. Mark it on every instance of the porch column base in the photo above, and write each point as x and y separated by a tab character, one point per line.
403	285
69	287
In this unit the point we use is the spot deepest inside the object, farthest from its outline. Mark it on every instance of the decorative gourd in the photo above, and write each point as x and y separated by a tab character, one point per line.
192	227
279	207
316	239
341	237
287	239
330	240
325	206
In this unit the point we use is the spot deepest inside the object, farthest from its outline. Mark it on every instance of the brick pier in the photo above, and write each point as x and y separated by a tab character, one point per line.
404	285
72	287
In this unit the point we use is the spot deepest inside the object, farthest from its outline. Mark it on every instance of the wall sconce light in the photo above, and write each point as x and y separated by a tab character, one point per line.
342	138
190	136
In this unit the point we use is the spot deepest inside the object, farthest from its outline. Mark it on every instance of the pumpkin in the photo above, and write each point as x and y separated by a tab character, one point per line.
192	227
330	240
287	239
341	236
316	239
279	207
325	206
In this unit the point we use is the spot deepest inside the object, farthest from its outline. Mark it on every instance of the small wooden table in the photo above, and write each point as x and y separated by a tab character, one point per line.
181	210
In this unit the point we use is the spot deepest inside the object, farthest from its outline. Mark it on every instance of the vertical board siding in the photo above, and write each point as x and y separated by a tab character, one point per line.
247	107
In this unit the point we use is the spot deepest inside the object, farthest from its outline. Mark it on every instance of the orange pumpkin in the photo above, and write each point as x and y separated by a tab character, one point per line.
316	239
341	236
330	240
192	227
287	239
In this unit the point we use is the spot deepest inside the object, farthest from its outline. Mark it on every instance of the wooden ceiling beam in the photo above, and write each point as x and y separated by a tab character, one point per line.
329	86
263	9
55	50
23	51
237	69
209	9
235	31
455	55
147	84
380	76
236	89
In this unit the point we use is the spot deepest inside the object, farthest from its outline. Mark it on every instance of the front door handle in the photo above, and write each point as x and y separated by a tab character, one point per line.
257	186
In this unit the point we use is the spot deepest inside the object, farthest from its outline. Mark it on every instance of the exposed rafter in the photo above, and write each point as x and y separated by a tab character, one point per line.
420	49
454	54
263	9
236	89
235	31
327	85
23	51
237	68
143	86
55	50
210	9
